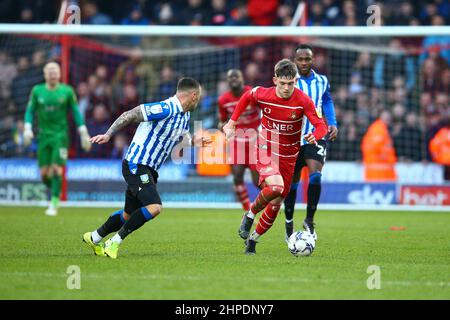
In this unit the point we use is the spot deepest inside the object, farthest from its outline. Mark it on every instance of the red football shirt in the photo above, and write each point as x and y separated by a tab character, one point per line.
282	119
250	118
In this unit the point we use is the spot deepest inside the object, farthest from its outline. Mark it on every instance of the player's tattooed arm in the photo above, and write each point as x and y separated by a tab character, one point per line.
132	116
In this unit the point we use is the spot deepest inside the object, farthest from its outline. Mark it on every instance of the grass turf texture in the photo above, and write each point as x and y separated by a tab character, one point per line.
197	254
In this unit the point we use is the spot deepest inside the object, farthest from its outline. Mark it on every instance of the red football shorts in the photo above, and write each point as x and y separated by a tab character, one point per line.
272	165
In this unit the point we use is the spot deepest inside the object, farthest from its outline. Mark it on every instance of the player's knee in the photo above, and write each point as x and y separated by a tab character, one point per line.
277	190
46	173
154	209
315	178
238	180
57	170
126	215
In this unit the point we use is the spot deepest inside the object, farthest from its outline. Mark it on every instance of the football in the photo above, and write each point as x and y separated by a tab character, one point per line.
301	243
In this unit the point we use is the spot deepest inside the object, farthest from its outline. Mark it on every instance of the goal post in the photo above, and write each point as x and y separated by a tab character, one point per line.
370	69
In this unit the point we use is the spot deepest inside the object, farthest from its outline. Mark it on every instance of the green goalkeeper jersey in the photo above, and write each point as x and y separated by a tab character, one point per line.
52	107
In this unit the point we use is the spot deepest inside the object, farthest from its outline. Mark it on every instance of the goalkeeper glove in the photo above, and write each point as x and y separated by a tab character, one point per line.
84	138
27	134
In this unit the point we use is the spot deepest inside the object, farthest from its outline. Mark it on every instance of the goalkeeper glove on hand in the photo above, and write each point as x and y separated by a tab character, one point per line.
84	138
27	134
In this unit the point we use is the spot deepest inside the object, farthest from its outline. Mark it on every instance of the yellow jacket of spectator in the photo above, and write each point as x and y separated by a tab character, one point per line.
440	146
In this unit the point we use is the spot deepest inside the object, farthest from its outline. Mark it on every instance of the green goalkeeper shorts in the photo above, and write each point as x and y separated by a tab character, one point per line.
52	150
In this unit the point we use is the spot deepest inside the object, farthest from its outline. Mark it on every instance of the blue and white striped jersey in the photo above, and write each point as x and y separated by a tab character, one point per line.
317	87
165	123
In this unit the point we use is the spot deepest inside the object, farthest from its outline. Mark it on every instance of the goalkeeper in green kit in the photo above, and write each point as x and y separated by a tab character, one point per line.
52	102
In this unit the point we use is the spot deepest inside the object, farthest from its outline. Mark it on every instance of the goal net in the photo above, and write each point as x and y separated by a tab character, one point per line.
399	80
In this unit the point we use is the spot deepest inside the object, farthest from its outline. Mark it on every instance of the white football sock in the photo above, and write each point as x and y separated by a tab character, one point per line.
255	236
116	238
96	237
251	215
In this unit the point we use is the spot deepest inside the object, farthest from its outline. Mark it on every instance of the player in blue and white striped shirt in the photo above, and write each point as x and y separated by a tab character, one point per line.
317	87
162	125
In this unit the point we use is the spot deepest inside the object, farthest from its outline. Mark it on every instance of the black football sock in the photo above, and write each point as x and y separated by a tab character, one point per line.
314	189
289	202
114	223
138	218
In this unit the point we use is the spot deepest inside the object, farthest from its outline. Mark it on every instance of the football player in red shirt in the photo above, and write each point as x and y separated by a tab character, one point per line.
278	144
241	147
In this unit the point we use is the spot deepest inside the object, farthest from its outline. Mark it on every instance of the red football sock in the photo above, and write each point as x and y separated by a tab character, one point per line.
267	218
267	194
242	195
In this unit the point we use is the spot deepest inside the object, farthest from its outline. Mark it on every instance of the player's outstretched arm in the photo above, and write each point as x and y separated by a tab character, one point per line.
246	99
318	123
330	114
132	116
29	114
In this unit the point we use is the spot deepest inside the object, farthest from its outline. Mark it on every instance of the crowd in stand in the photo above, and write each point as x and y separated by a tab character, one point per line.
227	12
412	85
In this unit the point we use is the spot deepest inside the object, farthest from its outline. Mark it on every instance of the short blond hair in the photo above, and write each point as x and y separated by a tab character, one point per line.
51	64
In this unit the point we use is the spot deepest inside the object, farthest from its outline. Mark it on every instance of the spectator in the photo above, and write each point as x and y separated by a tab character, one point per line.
378	150
90	14
386	64
168	83
135	18
22	84
316	15
120	146
164	13
262	13
251	75
363	111
284	15
348	16
219	13
98	124
346	148
439	148
409	140
129	100
428	11
331	11
364	67
26	15
84	103
261	58
355	84
404	16
431	77
8	71
28	76
239	15
137	71
439	45
195	13
103	90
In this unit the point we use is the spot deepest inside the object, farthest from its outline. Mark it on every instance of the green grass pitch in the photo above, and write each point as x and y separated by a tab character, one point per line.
197	254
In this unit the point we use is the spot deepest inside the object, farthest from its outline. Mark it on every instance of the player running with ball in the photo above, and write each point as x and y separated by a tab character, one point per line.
317	87
283	107
52	101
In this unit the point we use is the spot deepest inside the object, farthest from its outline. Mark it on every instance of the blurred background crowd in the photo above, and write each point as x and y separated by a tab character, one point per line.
408	82
227	12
